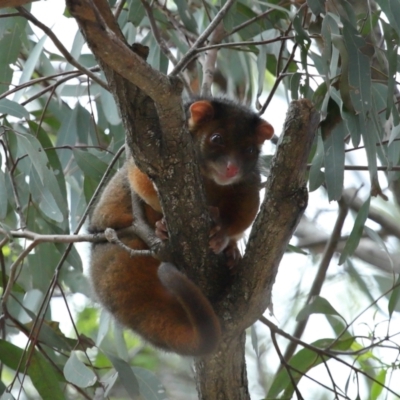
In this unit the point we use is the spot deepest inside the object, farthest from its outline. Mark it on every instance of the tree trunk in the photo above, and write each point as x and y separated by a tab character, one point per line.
223	375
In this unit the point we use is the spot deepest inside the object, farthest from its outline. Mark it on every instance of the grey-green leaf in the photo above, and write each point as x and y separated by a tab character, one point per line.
126	375
76	372
355	235
318	305
12	108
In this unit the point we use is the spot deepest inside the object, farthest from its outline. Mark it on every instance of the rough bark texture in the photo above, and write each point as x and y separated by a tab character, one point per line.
223	375
152	112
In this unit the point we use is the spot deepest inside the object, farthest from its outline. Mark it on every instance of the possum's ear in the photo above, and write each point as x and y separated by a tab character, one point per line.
264	131
200	111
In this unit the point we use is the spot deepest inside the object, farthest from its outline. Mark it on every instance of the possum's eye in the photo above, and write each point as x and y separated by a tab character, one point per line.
250	149
216	138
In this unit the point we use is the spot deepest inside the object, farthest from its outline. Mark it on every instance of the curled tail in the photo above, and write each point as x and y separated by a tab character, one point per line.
200	313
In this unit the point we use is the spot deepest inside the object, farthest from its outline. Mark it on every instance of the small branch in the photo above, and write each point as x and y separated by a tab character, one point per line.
13	272
50	88
99	188
366	168
192	51
118	8
156	32
320	277
244	43
320	351
390	225
286	365
39	238
210	60
280	76
161	42
40	80
112	237
23	12
174	22
11	167
250	21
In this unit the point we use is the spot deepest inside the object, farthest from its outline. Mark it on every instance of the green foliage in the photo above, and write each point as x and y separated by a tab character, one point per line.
60	134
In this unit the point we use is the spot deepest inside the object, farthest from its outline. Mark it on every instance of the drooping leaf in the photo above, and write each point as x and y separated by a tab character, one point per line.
76	372
104	325
316	6
30	65
316	176
376	388
42	195
3	196
13	108
334	160
136	12
303	361
44	377
90	165
318	305
10	355
355	235
392	10
394	297
186	16
150	386
126	375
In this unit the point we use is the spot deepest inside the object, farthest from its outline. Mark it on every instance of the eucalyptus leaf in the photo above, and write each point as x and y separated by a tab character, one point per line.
30	65
334	160
76	372
394	297
3	196
318	305
355	235
11	107
150	386
126	376
44	377
303	361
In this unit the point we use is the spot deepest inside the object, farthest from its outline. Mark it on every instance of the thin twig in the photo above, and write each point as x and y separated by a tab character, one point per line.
366	168
156	33
175	23
161	42
317	350
249	22
11	167
119	7
210	60
320	277
25	13
244	43
286	365
278	80
207	32
13	272
112	237
39	80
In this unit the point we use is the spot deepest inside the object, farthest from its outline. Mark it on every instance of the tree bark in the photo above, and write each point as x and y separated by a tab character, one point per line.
223	374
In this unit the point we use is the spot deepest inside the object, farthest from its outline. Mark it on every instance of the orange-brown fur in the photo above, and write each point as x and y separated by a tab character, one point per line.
155	299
